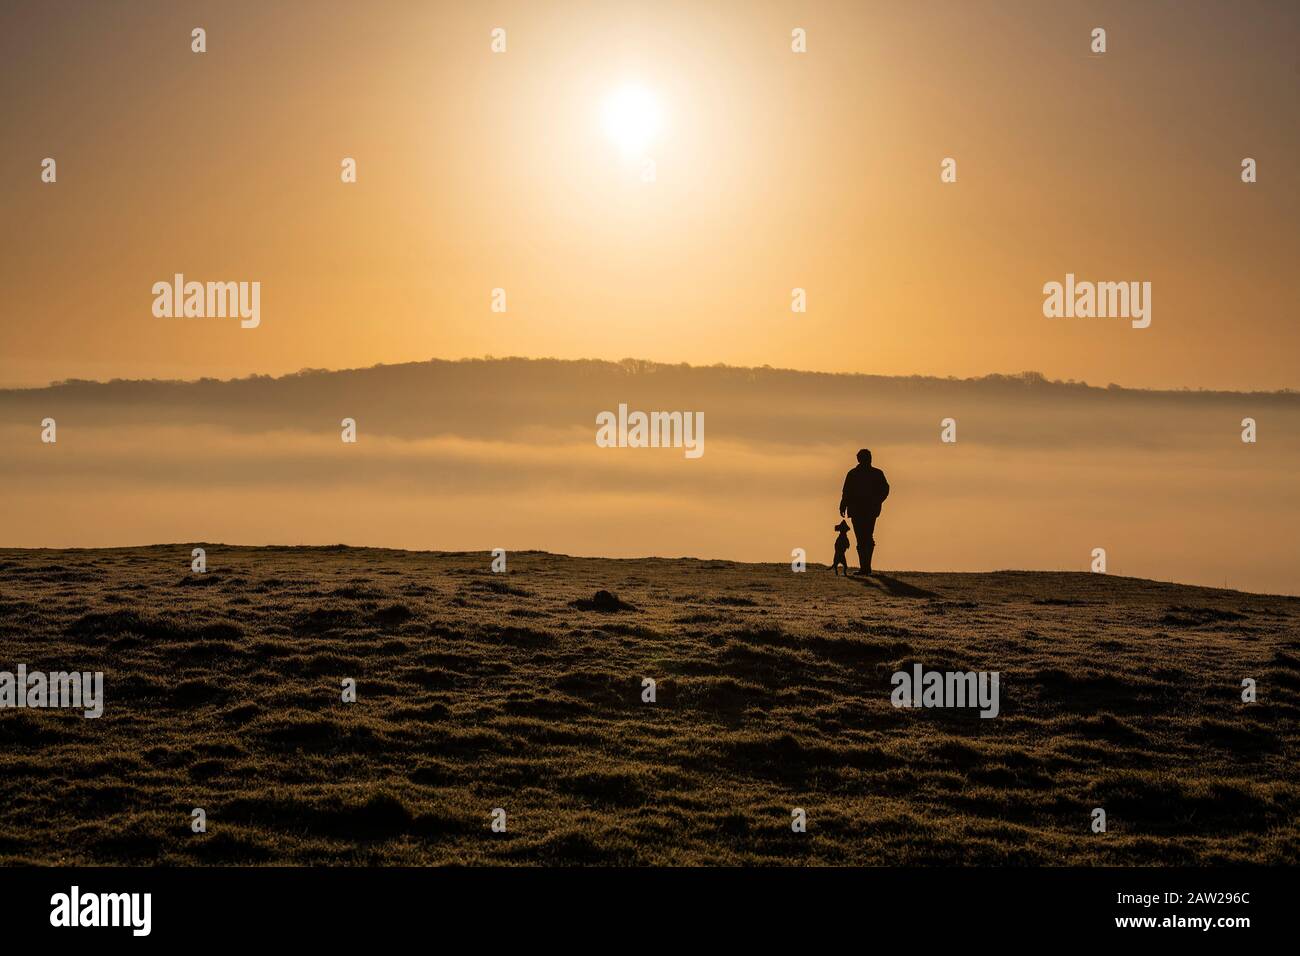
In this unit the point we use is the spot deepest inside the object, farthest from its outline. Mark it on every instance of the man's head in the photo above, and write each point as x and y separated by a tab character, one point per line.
864	456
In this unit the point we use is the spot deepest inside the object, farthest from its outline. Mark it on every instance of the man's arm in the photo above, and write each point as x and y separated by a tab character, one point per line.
884	487
844	495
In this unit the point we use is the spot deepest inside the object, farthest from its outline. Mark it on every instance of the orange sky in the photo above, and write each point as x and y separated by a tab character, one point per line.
774	170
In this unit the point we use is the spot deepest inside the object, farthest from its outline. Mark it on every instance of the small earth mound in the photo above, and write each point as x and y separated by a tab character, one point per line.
606	601
206	579
393	615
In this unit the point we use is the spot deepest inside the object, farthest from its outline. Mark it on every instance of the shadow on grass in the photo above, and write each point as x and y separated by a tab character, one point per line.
893	586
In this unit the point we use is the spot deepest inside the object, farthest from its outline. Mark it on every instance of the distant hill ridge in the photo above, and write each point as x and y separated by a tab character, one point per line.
718	372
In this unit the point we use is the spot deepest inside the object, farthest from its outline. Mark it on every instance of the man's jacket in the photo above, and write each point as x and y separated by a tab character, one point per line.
865	488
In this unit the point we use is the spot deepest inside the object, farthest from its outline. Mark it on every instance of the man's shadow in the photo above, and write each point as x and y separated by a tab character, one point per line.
893	586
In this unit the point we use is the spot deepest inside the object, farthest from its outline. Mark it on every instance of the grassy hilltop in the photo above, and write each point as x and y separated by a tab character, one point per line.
480	690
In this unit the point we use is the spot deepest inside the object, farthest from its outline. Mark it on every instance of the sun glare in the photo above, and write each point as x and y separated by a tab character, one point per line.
632	118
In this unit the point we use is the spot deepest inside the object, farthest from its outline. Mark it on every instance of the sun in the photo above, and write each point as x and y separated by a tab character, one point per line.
633	118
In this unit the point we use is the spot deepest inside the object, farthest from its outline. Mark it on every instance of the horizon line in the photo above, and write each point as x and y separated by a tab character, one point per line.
341	546
1026	377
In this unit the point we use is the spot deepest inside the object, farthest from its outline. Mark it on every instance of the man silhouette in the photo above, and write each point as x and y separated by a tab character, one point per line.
865	489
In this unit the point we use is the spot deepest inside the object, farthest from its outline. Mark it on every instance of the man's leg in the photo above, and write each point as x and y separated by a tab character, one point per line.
864	529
